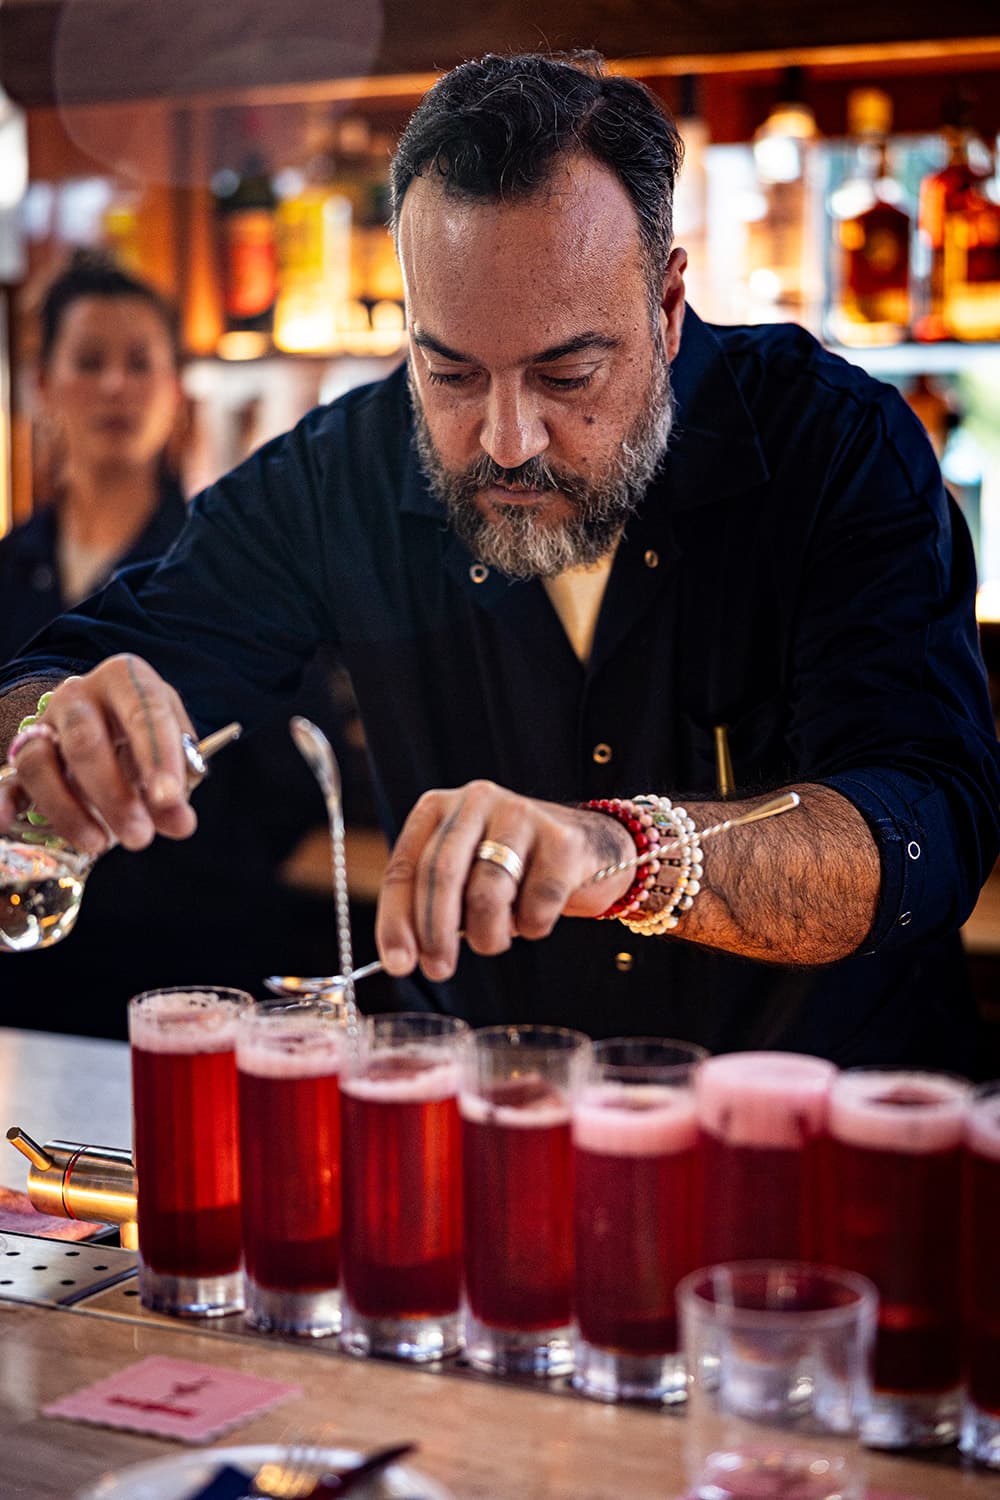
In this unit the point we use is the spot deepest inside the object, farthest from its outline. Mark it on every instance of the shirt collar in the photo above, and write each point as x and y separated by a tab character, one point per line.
714	450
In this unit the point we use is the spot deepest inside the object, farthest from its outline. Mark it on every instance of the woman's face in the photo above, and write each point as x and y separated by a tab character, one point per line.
111	384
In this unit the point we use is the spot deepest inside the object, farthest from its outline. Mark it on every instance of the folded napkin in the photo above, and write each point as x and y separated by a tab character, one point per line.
18	1215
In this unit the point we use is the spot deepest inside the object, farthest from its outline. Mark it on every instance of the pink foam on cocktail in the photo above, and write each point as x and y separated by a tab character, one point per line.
522	1103
414	1079
984	1126
290	1054
776	1100
612	1119
184	1021
899	1111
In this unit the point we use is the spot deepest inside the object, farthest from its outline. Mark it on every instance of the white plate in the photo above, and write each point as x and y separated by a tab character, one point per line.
182	1475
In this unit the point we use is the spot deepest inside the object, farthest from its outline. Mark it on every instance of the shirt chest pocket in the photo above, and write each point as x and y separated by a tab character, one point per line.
754	739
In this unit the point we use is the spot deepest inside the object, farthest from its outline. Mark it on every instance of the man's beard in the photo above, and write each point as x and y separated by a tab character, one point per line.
513	538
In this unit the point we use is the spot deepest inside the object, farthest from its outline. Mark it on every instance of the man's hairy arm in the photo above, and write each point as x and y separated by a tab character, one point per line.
801	888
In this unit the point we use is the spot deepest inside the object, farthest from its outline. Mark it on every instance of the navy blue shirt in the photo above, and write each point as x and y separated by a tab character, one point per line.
796	572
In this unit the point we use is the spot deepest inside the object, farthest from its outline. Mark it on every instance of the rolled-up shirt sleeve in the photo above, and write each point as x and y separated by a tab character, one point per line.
893	710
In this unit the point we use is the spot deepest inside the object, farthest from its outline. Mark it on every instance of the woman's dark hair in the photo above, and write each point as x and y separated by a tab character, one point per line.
91	273
495	129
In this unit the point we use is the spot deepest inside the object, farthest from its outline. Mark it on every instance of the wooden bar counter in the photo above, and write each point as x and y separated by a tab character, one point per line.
482	1439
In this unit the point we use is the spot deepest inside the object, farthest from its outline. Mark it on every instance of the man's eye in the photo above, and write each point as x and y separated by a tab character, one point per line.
437	377
567	382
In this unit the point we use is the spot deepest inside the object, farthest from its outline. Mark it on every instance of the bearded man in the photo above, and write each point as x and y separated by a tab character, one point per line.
584	547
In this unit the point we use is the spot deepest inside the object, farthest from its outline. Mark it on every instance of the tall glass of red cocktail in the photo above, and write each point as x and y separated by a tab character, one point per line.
637	1218
402	1248
288	1067
518	1088
981	1278
890	1184
187	1149
761	1116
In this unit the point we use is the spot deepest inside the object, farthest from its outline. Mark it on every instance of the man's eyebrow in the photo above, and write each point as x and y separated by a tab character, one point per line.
576	345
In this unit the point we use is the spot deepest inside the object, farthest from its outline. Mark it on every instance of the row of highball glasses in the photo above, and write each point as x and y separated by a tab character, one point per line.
530	1200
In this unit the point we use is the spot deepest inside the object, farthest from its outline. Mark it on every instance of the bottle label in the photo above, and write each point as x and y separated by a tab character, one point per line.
250	263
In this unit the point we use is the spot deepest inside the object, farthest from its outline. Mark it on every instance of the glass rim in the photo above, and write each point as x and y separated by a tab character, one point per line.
264	1015
899	1071
529	1036
439	1025
862	1294
224	992
662	1069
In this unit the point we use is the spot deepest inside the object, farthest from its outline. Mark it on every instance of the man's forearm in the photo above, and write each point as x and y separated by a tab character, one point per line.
797	889
17	703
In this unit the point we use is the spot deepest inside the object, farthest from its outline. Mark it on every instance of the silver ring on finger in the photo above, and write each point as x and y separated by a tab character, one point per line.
196	763
503	855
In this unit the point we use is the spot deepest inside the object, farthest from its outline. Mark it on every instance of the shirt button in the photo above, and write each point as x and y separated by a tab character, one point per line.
479	572
913	849
651	558
601	753
624	962
905	919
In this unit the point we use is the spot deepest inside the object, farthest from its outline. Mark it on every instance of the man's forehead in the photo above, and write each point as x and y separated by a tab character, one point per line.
581	205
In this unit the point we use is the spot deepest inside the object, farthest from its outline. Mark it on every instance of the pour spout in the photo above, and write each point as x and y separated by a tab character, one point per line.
35	1153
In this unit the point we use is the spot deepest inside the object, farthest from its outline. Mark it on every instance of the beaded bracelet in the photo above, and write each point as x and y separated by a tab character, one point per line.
655	824
645	836
684	862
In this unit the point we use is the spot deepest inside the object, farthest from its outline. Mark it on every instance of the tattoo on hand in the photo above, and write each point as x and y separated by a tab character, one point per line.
143	697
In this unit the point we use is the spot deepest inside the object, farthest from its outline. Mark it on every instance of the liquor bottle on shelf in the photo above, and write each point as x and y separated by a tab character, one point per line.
927	400
313	227
374	322
960	240
248	260
782	260
872	233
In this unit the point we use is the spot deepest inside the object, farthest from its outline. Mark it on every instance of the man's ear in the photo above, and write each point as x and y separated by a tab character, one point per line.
672	302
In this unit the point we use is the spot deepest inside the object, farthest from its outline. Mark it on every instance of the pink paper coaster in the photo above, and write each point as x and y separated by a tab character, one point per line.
172	1398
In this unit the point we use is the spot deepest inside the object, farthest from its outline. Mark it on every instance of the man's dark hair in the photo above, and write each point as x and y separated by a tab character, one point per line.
496	128
92	273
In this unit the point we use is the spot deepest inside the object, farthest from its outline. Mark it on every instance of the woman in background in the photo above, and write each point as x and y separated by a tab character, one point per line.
215	909
110	395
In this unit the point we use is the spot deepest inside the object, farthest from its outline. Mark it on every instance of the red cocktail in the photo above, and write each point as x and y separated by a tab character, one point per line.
761	1115
518	1192
288	1065
890	1197
637	1219
402	1249
186	1148
981	1278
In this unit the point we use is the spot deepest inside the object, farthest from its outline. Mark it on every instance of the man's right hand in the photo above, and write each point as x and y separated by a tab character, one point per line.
115	751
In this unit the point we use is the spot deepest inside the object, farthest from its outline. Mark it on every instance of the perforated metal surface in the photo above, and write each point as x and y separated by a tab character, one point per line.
58	1273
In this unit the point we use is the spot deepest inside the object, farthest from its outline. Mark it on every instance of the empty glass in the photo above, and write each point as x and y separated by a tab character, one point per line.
779	1356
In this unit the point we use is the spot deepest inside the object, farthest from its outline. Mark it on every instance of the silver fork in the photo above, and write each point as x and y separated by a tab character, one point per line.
304	1474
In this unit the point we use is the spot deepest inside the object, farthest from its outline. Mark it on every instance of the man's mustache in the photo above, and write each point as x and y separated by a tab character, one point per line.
533	474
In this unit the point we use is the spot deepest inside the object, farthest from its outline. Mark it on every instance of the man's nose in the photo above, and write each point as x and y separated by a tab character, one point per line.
512	429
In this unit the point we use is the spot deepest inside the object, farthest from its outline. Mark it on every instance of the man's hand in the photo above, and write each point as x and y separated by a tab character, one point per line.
115	751
435	887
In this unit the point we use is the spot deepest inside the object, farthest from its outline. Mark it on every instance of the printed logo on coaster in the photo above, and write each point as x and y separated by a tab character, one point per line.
172	1398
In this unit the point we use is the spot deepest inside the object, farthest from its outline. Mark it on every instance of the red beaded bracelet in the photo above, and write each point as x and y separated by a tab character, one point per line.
639	823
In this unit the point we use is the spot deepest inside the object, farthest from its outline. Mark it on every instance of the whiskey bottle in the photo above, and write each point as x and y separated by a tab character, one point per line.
313	228
248	260
872	234
960	241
